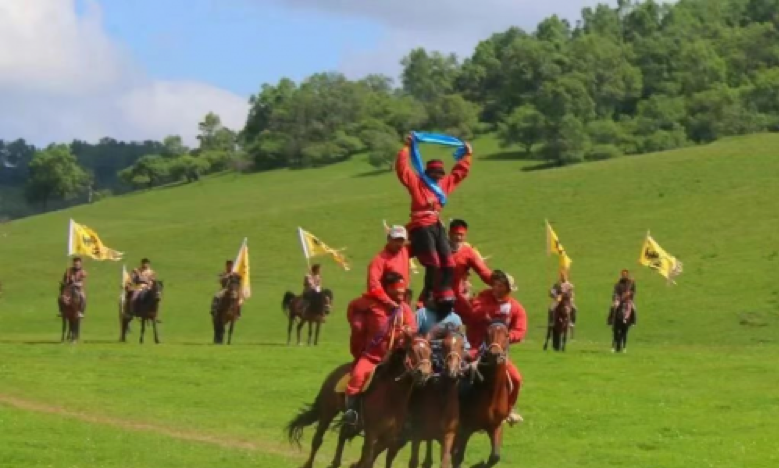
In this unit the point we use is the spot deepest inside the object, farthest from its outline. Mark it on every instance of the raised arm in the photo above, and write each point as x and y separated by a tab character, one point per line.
459	172
480	268
403	169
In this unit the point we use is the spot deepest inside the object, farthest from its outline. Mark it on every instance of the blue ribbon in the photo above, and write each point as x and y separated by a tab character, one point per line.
416	157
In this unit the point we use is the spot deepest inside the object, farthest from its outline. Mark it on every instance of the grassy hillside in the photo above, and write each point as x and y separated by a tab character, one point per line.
694	389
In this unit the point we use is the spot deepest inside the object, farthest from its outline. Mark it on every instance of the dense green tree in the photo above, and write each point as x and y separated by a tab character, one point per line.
54	173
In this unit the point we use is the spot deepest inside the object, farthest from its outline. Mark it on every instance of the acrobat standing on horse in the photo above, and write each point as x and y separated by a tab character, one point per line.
429	189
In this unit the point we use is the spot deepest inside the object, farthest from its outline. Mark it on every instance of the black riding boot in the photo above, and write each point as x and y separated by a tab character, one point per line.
352	415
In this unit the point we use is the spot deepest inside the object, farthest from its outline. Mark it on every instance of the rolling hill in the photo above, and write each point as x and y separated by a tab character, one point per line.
695	387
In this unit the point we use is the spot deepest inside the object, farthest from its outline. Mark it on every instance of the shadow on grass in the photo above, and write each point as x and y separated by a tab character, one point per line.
541	167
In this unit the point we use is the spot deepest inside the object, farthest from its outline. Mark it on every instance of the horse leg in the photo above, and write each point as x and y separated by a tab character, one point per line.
447	445
392	452
316	334
230	332
343	435
310	327
300	327
625	339
64	327
368	448
289	326
565	337
143	329
154	328
548	334
316	442
496	440
460	444
413	462
77	331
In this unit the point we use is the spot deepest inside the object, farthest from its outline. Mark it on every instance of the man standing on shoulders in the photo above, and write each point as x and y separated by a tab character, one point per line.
76	275
428	235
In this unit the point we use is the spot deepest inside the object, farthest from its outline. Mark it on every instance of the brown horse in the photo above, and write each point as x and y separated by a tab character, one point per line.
311	310
226	311
146	308
486	404
383	408
561	322
69	302
621	318
434	410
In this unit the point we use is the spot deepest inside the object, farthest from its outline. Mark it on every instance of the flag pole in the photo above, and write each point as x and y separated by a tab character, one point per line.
305	249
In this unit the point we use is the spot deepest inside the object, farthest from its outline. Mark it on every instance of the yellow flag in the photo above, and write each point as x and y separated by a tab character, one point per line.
553	245
84	241
412	264
241	267
313	247
654	257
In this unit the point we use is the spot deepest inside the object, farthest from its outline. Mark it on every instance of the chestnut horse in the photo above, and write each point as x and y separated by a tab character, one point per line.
485	405
382	410
146	308
226	311
434	410
561	323
312	311
69	302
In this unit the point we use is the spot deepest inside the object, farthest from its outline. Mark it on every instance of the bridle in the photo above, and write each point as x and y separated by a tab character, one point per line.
408	363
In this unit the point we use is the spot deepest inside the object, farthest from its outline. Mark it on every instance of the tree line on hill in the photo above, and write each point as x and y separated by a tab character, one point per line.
639	77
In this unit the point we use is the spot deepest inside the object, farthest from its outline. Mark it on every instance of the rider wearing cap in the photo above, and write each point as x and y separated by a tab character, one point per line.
394	257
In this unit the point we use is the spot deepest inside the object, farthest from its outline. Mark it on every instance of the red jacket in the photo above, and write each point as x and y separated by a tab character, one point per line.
486	309
465	259
382	263
424	204
377	327
355	314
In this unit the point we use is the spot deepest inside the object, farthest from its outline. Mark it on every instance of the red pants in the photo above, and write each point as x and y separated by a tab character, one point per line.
357	339
360	372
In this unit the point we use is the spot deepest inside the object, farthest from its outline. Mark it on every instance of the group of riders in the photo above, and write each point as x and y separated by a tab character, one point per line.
141	280
383	314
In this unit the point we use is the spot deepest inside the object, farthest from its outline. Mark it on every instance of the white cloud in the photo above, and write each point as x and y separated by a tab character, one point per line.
62	77
443	25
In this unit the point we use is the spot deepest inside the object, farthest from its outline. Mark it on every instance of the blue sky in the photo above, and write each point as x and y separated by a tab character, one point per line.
145	69
234	44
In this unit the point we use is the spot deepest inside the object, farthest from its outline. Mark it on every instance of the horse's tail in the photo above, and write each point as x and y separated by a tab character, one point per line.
288	297
307	416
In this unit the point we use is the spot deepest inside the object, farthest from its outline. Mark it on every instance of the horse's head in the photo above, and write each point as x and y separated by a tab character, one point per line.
453	348
498	339
417	360
327	297
156	290
234	288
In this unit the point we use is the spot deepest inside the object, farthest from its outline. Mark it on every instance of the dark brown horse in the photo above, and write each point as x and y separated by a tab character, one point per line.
485	405
621	318
70	301
383	408
145	307
434	410
226	311
561	323
312	310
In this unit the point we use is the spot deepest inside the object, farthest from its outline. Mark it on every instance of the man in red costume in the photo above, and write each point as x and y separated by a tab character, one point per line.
394	257
428	235
380	325
493	305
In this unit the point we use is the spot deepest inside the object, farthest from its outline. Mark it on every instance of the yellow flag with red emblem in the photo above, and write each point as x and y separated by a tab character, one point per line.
313	247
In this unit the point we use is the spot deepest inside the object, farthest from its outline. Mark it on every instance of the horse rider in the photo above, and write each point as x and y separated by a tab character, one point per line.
395	258
142	279
76	276
466	259
556	292
224	281
624	289
496	304
428	236
381	326
312	284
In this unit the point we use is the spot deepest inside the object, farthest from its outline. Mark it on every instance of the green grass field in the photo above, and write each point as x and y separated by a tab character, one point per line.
697	388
